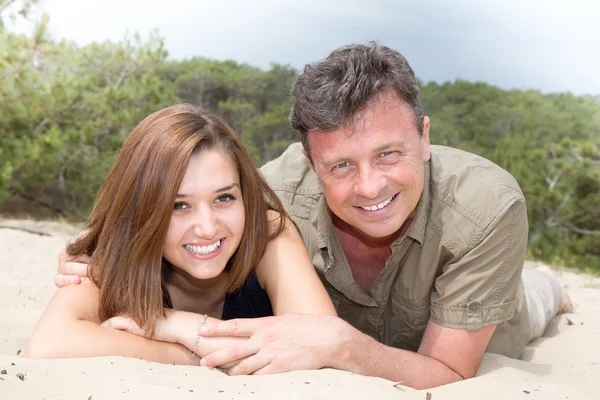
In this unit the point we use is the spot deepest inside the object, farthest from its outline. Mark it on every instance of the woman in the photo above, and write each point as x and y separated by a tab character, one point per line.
183	229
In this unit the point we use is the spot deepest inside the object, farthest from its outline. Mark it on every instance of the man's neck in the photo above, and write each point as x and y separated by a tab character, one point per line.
366	256
365	242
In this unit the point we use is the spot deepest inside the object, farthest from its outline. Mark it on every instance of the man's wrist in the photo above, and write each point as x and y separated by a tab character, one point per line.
342	352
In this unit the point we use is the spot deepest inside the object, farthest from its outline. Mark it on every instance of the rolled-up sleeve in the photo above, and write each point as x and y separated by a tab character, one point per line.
480	287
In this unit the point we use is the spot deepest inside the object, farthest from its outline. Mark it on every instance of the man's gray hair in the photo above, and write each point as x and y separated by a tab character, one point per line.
329	93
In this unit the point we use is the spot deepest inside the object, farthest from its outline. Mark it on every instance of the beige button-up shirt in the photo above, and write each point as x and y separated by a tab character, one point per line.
459	262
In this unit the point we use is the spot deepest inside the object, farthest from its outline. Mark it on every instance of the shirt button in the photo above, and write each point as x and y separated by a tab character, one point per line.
474	306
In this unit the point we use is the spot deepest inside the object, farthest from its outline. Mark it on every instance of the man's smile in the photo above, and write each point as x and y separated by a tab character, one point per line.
380	205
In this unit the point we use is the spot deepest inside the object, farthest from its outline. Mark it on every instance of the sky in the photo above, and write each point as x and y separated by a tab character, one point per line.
546	45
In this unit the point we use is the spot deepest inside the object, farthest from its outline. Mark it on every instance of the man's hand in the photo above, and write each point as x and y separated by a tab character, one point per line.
278	344
71	269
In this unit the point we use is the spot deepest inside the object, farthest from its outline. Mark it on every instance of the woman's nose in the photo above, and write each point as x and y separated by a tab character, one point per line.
205	224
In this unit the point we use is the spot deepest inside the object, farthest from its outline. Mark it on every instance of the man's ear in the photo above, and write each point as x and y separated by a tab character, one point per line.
425	143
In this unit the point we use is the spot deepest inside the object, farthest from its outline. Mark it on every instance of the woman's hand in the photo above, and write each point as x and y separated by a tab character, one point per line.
167	329
181	327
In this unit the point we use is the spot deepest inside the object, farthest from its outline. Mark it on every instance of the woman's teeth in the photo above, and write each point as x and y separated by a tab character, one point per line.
380	205
202	250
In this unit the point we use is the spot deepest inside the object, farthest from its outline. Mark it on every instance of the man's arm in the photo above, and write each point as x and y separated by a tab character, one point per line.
292	342
445	356
456	337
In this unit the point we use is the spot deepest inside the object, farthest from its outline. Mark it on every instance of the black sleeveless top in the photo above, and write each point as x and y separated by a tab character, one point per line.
250	301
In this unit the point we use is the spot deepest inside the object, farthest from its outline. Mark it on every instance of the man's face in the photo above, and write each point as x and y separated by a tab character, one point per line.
372	172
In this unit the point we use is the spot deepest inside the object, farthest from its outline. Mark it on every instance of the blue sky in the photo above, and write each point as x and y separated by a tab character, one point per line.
550	45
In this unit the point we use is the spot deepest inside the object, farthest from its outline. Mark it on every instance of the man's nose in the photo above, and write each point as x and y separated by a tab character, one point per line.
369	182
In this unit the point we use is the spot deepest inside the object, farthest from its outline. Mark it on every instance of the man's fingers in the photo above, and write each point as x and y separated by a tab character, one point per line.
229	365
63	256
73	268
249	366
66	280
82	258
268	369
228	355
234	327
70	273
81	234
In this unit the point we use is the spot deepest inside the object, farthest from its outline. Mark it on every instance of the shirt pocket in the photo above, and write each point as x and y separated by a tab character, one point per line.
409	320
334	295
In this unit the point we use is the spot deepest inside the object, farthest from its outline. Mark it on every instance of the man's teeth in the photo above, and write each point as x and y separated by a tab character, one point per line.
380	205
202	250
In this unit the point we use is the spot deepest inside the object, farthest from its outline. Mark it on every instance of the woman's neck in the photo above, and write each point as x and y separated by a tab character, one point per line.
202	296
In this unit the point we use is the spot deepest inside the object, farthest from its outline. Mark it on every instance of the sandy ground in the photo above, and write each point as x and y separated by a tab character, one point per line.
564	364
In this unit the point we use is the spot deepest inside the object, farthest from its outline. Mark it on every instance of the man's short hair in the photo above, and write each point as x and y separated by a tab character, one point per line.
329	93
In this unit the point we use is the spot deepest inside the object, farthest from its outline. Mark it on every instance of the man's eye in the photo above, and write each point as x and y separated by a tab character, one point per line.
180	206
342	165
225	198
386	153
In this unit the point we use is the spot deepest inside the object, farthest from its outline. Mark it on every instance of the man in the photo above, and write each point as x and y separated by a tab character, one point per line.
420	247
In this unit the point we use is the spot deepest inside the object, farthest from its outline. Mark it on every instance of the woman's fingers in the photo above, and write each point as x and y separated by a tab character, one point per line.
124	324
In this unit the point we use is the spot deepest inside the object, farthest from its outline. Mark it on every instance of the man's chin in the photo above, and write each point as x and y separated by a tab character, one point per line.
369	230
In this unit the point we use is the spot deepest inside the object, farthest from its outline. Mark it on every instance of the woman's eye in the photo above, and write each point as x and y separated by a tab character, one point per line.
225	198
180	206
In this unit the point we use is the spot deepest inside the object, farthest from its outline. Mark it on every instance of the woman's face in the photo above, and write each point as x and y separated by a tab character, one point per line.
208	217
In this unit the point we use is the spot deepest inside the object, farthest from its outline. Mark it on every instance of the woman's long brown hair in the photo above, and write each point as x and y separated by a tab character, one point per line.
128	223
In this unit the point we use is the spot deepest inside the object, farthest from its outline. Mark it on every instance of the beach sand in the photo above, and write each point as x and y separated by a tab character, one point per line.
563	364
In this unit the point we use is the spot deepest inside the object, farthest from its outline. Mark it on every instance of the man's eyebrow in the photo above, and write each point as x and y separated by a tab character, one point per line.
223	189
400	145
334	161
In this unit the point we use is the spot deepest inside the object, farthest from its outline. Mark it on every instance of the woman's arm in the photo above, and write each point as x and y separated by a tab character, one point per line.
70	328
178	327
71	304
287	274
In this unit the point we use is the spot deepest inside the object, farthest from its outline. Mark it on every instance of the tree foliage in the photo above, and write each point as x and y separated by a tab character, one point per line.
550	144
66	110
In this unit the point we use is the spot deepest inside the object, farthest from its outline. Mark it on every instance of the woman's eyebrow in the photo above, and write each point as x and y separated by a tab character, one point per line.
223	189
228	187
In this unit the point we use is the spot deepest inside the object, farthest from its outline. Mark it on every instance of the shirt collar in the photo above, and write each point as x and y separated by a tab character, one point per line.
416	230
324	224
